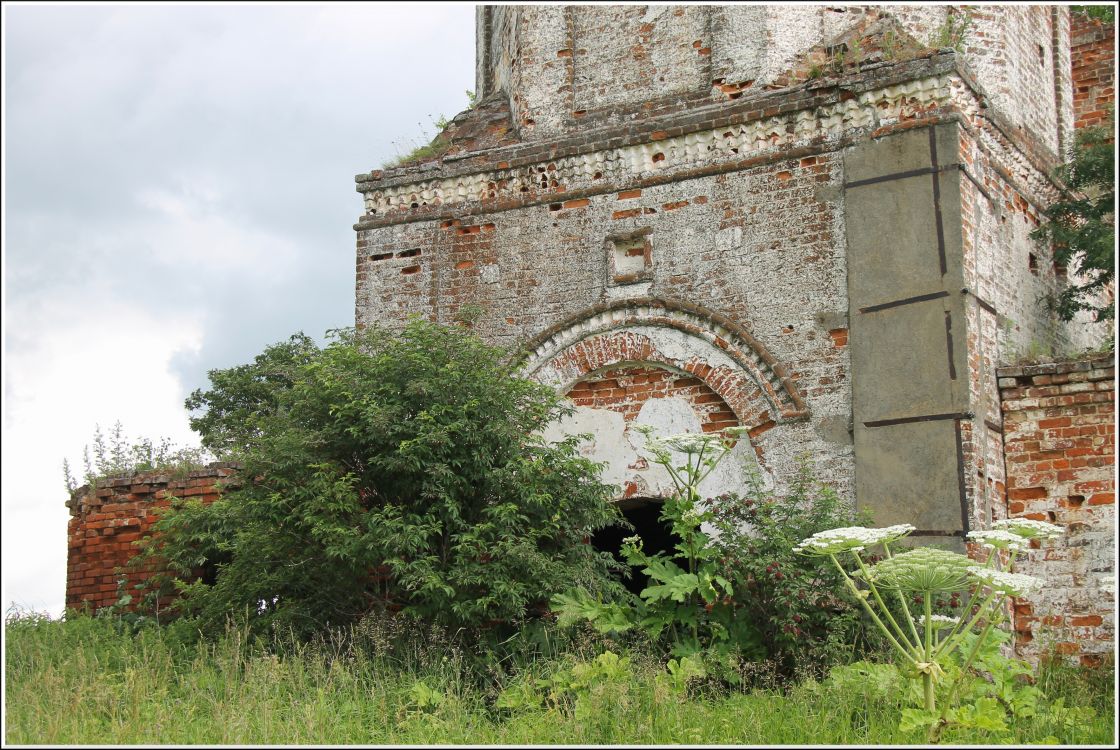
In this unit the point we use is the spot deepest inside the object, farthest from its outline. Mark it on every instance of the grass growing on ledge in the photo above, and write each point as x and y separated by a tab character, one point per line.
90	680
435	145
417	154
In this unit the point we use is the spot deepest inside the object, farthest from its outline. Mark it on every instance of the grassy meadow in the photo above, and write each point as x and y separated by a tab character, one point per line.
93	681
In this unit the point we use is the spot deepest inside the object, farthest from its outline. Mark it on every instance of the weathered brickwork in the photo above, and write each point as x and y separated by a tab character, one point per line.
1093	47
712	241
106	522
813	222
627	389
631	391
1060	442
1016	53
705	156
1008	278
574	65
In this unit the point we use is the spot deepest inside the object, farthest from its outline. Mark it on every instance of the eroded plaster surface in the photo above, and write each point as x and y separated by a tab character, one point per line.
620	446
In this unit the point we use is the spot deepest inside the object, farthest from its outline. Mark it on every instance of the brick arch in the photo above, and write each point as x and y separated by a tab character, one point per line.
672	335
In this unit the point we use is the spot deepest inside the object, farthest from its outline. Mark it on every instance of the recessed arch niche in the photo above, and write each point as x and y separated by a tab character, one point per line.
666	364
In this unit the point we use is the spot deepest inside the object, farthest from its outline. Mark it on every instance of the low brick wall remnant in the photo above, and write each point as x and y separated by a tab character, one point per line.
107	520
1093	67
1059	427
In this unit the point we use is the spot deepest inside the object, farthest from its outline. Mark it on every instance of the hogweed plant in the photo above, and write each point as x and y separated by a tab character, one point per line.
929	646
688	599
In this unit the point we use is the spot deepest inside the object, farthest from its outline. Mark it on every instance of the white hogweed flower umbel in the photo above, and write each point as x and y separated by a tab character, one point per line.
999	539
850	539
693	442
939	621
1014	584
1028	528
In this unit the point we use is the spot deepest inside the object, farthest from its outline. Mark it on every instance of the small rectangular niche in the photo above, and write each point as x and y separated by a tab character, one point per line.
630	257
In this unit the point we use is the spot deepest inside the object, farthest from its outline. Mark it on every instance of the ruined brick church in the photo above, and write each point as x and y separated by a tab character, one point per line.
809	221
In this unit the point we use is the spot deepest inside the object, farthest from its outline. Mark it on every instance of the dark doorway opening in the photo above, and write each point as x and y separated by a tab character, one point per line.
645	514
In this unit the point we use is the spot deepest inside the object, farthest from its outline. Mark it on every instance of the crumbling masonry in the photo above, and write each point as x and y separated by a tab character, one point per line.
809	221
801	220
812	222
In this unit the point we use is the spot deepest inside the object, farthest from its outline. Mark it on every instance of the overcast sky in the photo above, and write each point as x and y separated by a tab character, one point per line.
178	194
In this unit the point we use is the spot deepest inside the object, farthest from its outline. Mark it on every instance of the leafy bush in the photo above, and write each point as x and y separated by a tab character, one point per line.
743	593
793	600
389	472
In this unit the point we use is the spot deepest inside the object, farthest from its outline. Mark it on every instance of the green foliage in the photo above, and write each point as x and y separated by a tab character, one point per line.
430	145
417	153
958	676
1081	226
1005	680
577	606
890	44
424	698
389	472
991	695
581	688
792	599
688	604
118	455
876	682
951	34
240	401
1106	13
589	689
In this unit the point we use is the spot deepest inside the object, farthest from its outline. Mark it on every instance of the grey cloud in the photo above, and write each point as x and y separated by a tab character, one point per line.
274	107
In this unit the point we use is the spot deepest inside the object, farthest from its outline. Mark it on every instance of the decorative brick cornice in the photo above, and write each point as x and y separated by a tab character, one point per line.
791	123
672	147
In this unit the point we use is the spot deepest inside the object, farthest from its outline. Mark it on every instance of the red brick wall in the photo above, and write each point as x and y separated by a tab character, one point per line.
106	521
1093	61
1060	447
625	389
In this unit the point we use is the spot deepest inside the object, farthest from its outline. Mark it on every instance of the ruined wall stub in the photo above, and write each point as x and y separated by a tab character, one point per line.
807	221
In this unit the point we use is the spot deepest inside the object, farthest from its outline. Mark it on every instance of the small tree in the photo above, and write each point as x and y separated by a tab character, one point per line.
1081	226
387	472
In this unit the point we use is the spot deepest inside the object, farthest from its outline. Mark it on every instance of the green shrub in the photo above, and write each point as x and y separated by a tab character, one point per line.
389	473
793	600
1081	227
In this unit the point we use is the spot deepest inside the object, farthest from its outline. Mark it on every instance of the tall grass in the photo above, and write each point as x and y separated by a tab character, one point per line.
91	681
